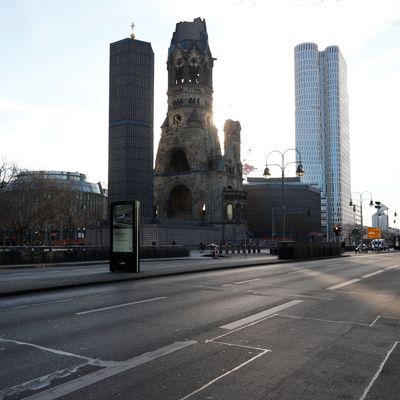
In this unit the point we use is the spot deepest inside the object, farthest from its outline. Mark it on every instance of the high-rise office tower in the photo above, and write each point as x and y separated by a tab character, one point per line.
130	162
322	129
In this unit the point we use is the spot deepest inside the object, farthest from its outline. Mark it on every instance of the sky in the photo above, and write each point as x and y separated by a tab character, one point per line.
54	75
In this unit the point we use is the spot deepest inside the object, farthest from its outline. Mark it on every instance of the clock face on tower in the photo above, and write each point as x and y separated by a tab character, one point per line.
177	120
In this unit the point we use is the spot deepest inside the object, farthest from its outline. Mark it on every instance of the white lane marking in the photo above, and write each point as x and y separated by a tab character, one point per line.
301	270
393	266
241	282
36	304
98	376
344	284
376	319
238	345
368	388
292	295
120	305
373	273
258	316
223	375
249	280
322	320
50	350
216	339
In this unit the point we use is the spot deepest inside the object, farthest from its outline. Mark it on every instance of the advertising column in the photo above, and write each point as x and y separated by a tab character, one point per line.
124	236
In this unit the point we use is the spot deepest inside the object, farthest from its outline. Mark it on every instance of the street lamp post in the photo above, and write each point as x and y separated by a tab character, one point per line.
282	166
371	203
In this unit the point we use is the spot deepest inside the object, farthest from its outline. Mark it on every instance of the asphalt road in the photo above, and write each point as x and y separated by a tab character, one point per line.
324	329
28	278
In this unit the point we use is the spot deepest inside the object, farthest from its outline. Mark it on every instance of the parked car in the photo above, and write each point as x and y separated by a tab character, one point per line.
379	245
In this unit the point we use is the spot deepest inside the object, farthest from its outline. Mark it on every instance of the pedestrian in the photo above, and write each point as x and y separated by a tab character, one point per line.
342	246
216	251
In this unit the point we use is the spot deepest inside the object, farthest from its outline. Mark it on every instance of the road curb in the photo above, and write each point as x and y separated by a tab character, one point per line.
169	271
127	276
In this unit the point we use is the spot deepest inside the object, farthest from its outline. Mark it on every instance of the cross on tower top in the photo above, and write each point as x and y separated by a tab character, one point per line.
132	34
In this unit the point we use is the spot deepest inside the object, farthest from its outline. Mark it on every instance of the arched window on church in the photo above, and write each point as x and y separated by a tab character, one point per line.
178	75
180	203
201	210
178	162
229	212
194	71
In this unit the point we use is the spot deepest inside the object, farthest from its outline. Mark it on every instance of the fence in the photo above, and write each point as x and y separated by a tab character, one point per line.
298	250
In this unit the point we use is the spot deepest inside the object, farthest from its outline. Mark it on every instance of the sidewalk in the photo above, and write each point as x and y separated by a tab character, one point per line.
149	268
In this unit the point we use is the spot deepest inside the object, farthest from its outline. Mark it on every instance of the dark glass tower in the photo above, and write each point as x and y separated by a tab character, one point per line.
130	153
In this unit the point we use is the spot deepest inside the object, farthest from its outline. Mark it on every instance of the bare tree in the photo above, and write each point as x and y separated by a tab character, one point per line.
8	172
34	206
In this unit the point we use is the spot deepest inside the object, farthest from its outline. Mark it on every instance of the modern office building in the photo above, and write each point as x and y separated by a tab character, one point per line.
380	219
322	129
131	105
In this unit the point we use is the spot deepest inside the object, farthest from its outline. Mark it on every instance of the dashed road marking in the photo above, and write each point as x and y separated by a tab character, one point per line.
120	305
261	315
344	284
373	273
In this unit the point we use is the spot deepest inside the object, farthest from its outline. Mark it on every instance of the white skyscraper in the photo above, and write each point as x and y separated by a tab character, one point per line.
322	129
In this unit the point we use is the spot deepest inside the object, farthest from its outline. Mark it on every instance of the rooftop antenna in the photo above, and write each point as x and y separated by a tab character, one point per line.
132	34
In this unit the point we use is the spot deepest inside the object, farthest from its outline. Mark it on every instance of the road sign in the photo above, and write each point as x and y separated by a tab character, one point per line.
374	233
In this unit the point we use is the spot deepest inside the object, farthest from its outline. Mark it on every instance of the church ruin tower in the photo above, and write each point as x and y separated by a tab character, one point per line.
193	181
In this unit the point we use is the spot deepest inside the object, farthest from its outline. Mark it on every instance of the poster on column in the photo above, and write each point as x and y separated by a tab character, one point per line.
123	225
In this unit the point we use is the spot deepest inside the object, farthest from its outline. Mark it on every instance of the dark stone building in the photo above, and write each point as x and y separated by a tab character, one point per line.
130	160
303	209
194	183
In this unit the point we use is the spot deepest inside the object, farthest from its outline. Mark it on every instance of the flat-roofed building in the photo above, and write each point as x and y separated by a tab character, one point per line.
264	211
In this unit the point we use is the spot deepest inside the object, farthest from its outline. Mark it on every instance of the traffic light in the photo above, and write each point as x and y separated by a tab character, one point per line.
337	229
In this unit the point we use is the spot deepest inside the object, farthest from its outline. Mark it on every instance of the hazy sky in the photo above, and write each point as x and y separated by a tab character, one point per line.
55	64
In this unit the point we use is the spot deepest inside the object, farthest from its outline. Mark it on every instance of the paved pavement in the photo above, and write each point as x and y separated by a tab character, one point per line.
100	273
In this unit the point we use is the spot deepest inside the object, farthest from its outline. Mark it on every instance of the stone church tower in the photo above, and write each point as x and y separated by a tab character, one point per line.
193	182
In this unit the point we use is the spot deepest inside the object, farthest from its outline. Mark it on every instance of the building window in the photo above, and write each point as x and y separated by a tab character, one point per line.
178	162
229	212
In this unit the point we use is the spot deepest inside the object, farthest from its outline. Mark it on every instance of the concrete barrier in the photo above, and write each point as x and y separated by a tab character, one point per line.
290	250
17	255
